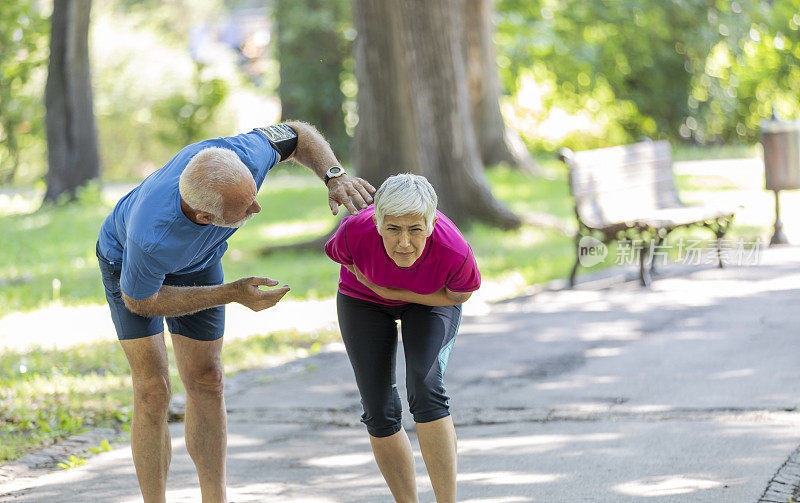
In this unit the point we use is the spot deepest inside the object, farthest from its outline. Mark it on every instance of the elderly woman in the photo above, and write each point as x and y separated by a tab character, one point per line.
403	260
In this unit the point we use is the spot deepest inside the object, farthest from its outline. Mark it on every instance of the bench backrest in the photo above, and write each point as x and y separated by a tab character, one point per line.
621	184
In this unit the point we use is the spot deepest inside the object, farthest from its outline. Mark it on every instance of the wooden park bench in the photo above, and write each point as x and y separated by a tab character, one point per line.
628	192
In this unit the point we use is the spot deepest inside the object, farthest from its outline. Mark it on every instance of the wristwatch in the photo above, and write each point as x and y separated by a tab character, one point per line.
333	172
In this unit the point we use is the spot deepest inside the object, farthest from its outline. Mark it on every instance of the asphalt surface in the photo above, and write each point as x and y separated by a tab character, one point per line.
684	392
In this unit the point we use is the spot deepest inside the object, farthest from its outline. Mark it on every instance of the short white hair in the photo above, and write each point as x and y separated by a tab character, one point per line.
207	173
406	194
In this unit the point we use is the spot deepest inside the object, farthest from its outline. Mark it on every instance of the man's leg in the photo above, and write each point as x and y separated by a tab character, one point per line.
150	441
200	367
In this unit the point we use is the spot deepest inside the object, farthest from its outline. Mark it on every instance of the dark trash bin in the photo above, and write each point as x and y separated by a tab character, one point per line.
781	142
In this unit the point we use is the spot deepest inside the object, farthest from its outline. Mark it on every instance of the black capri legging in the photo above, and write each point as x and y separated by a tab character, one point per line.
369	331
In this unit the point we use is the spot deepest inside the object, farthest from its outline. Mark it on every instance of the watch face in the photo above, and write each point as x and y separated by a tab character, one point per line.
334	170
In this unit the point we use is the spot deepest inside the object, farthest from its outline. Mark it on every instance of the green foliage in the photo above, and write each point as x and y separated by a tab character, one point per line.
50	394
105	446
314	44
23	58
72	462
187	118
147	107
674	69
750	73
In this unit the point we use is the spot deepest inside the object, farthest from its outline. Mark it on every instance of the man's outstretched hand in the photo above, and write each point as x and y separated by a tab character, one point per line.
248	293
345	189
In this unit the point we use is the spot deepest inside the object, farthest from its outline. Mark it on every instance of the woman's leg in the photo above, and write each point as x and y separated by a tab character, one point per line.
428	337
369	332
396	462
437	440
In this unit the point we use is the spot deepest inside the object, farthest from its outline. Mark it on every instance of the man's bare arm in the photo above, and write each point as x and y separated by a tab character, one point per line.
182	300
315	153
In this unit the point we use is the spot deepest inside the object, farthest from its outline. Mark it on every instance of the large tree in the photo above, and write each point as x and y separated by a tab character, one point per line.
496	142
71	132
385	139
414	107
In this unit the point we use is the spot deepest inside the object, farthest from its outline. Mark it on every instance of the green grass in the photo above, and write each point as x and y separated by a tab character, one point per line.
50	394
531	254
56	243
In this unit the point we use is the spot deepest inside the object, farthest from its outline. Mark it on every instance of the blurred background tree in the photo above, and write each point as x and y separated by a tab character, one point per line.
496	142
314	40
686	70
23	58
72	154
415	101
186	117
572	73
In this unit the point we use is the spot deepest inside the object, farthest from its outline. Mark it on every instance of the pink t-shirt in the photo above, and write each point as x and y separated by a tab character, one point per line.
447	260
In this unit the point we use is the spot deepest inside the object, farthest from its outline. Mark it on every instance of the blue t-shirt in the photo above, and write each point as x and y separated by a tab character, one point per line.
150	237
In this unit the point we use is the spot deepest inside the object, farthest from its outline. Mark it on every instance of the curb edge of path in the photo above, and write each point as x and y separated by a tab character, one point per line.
784	486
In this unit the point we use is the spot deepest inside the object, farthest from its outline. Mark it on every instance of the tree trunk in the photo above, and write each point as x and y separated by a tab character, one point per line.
71	133
419	45
385	141
496	142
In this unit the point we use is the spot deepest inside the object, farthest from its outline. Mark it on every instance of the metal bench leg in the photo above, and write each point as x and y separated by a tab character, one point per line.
719	227
644	266
574	271
657	242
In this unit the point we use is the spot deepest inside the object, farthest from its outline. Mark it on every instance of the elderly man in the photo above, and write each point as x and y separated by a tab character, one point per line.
159	253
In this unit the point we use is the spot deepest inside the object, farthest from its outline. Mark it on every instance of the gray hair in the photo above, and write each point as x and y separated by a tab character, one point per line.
406	194
209	171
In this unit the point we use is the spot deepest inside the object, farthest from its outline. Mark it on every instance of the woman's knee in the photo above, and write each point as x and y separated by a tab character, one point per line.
382	414
427	398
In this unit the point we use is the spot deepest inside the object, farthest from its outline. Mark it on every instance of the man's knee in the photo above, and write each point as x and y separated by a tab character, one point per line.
207	381
154	393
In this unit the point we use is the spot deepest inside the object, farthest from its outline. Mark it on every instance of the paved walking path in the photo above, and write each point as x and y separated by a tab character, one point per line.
685	392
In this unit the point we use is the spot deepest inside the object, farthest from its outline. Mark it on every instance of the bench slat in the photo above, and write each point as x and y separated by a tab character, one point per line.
619	184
